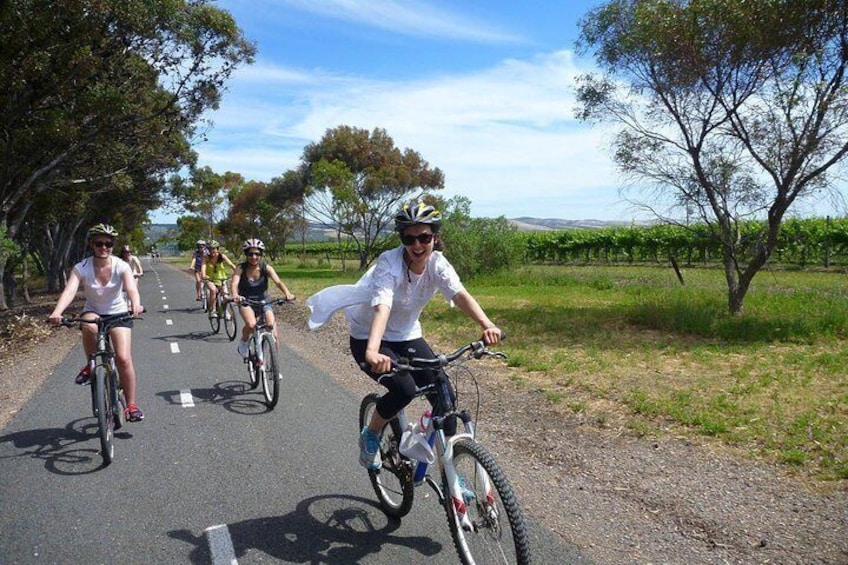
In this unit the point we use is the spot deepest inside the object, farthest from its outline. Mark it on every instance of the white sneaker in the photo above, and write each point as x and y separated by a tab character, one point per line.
242	349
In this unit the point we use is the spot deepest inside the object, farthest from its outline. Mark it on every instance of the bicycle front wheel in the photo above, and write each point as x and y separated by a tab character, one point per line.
204	297
270	371
230	324
253	367
214	317
105	414
494	531
392	482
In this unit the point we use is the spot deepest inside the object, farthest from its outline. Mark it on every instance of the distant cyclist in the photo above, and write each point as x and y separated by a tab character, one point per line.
216	269
251	281
196	265
103	279
132	260
383	309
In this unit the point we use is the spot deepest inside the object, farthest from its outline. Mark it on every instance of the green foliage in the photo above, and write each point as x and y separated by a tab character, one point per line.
355	180
478	246
800	242
726	110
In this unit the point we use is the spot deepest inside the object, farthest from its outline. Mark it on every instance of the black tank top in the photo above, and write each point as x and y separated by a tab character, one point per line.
257	289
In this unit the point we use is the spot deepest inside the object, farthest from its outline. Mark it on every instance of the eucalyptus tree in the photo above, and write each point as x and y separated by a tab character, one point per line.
93	90
354	181
729	110
254	214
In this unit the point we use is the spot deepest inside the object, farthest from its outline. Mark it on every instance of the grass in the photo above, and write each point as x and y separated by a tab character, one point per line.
668	358
671	357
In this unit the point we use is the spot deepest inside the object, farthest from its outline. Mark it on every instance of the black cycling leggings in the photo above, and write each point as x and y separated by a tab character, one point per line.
401	386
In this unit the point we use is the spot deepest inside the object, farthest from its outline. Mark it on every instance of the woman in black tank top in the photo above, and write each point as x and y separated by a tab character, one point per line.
251	281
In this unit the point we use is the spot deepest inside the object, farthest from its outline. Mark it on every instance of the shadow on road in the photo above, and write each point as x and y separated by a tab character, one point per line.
333	529
62	449
235	396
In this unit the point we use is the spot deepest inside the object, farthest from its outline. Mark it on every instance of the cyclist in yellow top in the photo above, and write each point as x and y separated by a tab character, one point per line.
216	269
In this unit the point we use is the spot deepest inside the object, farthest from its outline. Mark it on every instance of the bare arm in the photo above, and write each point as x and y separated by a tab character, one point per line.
131	288
469	305
280	284
65	298
234	285
379	363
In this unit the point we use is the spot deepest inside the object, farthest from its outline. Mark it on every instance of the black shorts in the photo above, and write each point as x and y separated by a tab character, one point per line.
128	323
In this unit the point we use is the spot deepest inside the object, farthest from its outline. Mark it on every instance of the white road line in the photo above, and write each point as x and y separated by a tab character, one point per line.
169	322
175	348
164	297
186	399
221	545
165	306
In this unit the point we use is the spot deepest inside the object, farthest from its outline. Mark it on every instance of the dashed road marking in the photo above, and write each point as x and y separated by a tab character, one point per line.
186	399
175	348
169	322
221	545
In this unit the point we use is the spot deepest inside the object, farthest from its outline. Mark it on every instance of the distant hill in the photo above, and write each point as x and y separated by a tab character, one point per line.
548	224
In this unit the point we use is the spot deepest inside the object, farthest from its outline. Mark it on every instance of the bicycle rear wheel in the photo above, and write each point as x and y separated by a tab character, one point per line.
105	413
230	323
270	371
497	532
392	482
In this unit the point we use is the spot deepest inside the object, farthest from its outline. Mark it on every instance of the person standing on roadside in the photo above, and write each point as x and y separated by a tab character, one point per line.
103	279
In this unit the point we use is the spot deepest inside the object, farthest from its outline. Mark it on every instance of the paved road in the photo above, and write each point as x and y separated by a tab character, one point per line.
210	476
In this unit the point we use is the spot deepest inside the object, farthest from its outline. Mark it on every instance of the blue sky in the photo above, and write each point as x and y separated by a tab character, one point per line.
481	89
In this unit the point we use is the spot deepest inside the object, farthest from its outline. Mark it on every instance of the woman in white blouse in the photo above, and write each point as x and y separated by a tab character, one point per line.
383	309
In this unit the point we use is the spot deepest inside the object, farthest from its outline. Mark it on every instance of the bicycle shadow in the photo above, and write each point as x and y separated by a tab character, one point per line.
60	448
193	336
228	394
331	529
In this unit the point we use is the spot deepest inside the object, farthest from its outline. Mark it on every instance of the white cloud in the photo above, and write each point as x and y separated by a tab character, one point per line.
405	17
505	137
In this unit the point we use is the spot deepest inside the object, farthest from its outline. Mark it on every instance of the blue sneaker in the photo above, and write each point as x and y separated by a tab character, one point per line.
369	450
467	494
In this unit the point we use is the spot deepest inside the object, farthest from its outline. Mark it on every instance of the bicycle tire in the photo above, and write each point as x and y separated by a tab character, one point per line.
392	482
499	532
230	322
215	319
252	365
270	371
105	416
204	297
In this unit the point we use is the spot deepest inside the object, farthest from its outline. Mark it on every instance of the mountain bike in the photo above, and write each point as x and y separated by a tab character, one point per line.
107	396
485	519
262	356
224	309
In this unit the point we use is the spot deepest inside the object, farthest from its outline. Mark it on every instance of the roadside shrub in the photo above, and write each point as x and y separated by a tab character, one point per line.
479	246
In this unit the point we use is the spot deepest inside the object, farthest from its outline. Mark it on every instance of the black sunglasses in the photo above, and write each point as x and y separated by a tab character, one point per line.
423	238
253	254
107	244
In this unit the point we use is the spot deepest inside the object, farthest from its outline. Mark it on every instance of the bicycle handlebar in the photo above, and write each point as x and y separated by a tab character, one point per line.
274	301
477	348
72	322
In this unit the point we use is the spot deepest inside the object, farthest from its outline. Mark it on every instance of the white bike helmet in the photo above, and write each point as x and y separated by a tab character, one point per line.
253	243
